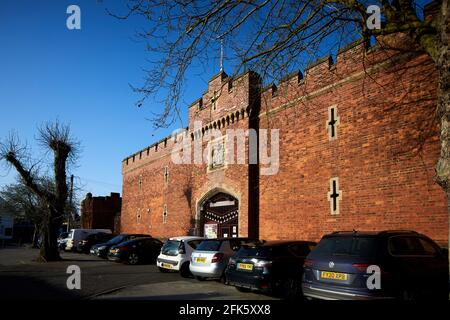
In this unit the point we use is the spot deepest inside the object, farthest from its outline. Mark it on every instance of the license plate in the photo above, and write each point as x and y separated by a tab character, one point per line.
202	260
166	265
245	266
334	275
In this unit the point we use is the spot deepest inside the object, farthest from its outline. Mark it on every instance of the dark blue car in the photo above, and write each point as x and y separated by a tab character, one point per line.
376	265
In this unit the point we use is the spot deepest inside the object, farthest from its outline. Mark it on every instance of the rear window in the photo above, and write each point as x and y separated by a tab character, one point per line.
194	243
171	247
209	245
346	246
257	252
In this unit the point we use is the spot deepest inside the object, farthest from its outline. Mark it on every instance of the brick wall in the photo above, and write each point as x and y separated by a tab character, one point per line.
383	156
101	212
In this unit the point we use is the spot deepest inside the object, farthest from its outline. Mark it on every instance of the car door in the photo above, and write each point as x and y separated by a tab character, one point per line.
408	262
435	267
151	248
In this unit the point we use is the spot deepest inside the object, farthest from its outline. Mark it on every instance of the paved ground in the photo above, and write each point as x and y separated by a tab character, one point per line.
23	278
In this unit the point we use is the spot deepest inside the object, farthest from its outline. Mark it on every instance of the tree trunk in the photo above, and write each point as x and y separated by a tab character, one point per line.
443	106
49	248
36	235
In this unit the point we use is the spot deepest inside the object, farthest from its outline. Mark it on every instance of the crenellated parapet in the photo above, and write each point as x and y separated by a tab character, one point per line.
229	100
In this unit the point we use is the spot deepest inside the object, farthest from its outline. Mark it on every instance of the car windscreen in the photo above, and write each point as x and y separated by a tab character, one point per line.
128	242
346	246
209	245
116	239
254	252
171	247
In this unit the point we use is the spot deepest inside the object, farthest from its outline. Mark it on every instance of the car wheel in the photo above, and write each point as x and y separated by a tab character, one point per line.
133	258
407	295
200	278
290	289
184	270
163	270
223	278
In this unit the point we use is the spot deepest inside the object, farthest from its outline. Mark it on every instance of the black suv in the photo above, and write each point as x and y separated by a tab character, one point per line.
271	267
376	265
101	250
85	245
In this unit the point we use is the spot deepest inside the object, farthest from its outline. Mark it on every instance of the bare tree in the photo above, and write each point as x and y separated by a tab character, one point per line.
272	36
55	138
25	206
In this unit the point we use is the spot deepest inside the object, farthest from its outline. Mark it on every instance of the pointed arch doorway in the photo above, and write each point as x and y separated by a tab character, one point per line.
219	216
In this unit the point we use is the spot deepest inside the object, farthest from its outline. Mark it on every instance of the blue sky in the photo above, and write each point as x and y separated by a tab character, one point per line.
80	77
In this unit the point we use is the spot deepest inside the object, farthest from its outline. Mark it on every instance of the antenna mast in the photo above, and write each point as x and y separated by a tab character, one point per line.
221	54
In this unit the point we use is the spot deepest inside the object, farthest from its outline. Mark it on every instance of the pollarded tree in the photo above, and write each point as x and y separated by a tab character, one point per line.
56	138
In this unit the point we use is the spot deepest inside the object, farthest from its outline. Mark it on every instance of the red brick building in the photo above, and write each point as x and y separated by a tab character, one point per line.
358	142
101	212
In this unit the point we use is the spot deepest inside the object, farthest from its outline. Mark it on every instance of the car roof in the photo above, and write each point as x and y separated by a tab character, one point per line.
229	239
185	238
140	238
275	243
356	233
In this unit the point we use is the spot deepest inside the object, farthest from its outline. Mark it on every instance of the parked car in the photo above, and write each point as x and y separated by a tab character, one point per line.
411	266
62	240
211	257
176	254
76	235
136	251
101	250
270	267
85	245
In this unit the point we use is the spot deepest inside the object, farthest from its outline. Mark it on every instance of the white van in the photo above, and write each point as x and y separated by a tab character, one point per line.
76	235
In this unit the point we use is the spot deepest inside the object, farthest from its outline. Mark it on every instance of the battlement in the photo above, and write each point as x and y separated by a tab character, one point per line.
229	98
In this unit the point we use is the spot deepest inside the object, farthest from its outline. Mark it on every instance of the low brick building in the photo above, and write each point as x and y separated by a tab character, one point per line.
101	212
358	142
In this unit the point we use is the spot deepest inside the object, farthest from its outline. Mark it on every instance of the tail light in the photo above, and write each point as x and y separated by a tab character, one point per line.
217	257
265	265
307	263
361	267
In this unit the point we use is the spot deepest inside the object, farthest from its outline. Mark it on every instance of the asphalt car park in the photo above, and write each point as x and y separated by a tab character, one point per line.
23	278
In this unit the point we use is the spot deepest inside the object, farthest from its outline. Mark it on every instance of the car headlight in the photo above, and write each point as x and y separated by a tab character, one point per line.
102	248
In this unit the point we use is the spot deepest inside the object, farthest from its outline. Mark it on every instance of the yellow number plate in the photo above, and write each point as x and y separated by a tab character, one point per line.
166	265
203	260
245	266
334	275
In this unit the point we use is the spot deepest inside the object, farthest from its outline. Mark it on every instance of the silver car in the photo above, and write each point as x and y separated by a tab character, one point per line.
211	257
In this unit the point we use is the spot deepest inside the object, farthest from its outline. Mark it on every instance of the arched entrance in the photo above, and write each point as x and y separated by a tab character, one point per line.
219	216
